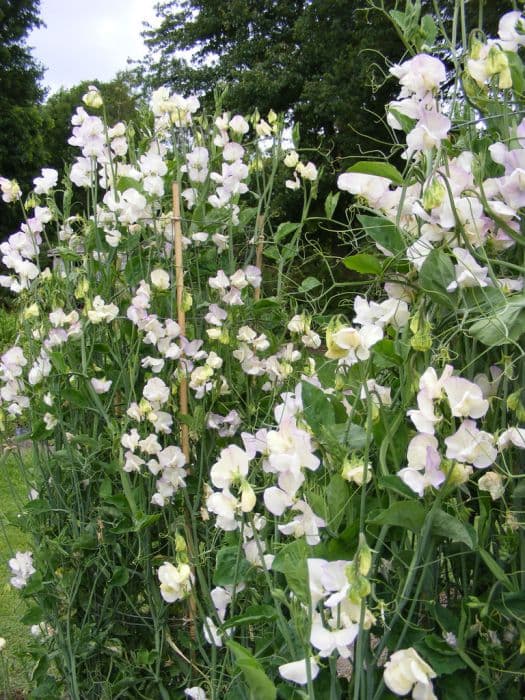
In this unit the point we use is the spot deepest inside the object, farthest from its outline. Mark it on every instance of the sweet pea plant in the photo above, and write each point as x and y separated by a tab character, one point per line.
232	495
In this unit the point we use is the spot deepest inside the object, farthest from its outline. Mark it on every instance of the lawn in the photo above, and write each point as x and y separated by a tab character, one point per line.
15	667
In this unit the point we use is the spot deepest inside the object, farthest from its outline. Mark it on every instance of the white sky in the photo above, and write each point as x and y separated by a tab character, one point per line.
88	40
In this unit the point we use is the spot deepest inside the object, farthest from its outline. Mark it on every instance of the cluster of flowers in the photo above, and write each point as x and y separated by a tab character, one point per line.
450	207
304	171
487	61
286	452
22	568
350	345
466	448
21	250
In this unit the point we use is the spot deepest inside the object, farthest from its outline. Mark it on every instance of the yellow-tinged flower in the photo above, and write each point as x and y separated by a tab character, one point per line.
30	312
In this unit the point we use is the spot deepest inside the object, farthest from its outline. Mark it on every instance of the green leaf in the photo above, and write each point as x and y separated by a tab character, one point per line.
496	570
261	687
336	498
457	686
128	183
399	19
330	204
284	230
272	252
58	362
226	566
351	435
429	30
120	577
407	123
252	615
144	521
364	263
436	652
516	71
406	514
308	284
33	616
34	585
318	409
385	354
446	525
504	324
380	168
512	604
393	483
435	275
383	232
74	397
291	561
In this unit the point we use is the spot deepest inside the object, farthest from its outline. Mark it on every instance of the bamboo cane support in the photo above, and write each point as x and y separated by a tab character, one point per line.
181	314
259	227
183	386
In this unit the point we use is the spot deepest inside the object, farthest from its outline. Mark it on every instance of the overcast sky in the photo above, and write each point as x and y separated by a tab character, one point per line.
87	40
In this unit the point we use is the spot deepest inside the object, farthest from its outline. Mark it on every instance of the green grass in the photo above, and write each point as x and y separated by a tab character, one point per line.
14	661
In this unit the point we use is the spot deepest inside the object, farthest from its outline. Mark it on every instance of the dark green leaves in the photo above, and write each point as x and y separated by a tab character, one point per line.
435	275
261	687
364	263
382	169
383	232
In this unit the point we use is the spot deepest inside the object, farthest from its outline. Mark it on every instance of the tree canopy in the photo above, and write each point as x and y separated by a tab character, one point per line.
120	104
317	60
21	119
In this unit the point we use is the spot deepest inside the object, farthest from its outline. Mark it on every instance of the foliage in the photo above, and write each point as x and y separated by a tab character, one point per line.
224	504
120	105
21	121
293	57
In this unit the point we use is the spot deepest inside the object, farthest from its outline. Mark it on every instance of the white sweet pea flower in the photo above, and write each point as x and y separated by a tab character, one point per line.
195	693
160	279
512	436
468	444
50	420
420	75
493	483
175	581
307	524
239	125
296	671
46	181
424	417
232	466
101	311
328	641
211	633
225	506
468	272
465	398
372	188
406	671
308	171
101	386
291	159
156	392
21	566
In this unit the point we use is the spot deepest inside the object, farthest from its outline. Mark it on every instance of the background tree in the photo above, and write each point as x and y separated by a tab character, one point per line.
120	104
316	60
21	117
323	62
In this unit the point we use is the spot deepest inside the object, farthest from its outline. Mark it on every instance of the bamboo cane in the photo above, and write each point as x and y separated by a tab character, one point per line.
259	227
181	314
183	386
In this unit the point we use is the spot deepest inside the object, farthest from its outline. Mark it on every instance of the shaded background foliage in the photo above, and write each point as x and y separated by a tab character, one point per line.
22	122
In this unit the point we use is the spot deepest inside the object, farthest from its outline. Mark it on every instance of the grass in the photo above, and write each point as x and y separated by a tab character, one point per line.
14	661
